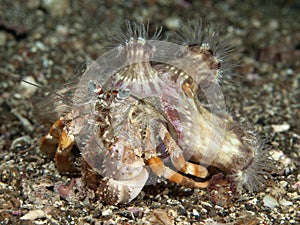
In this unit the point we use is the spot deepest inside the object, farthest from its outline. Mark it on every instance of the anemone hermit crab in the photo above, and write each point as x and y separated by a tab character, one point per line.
139	108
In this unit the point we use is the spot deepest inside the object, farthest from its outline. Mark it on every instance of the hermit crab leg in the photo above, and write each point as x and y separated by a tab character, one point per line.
62	156
48	143
177	157
160	169
59	134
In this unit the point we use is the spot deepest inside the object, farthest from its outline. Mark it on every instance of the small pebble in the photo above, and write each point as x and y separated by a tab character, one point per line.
196	213
62	30
270	202
284	202
107	212
181	211
273	25
32	4
283	183
297	185
56	8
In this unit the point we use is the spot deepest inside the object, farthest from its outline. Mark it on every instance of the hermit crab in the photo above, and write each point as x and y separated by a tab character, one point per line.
138	110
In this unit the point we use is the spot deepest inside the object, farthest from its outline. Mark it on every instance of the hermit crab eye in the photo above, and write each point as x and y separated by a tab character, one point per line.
92	86
123	93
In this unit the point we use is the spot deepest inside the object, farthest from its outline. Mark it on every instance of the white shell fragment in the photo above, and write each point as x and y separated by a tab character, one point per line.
285	202
20	141
34	214
280	127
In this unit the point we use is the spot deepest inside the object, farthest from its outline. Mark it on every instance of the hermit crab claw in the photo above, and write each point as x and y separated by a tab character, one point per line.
124	171
122	191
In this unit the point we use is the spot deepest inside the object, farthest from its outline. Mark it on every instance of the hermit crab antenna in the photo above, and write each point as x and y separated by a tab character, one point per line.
15	77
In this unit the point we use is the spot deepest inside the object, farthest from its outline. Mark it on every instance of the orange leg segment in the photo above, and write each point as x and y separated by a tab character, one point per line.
179	161
63	156
48	143
160	169
58	144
